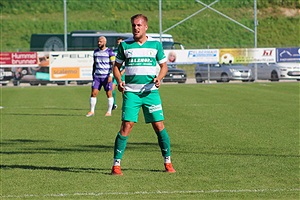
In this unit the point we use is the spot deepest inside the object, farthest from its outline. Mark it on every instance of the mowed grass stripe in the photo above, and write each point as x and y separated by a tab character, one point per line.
155	192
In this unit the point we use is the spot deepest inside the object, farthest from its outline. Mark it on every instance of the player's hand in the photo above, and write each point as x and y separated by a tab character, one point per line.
156	82
121	87
109	79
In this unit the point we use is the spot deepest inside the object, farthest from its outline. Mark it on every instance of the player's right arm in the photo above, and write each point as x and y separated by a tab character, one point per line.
120	58
94	69
94	65
117	76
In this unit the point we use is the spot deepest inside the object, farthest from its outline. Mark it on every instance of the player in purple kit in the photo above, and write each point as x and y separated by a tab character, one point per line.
104	59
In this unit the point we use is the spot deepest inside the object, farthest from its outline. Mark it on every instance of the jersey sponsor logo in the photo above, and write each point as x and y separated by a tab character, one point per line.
151	53
155	108
140	60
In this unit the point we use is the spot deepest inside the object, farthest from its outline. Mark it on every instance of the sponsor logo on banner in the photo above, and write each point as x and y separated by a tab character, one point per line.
19	58
65	73
205	56
75	58
250	55
71	65
288	55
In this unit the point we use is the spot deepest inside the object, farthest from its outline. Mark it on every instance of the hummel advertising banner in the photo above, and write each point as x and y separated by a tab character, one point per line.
248	55
288	54
17	59
71	65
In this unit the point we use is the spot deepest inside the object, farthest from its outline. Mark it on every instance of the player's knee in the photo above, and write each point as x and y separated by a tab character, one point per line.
158	126
126	128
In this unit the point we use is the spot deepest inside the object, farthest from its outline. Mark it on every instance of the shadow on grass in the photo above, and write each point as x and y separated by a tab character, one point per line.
50	108
17	141
42	114
31	147
239	154
61	169
106	171
147	146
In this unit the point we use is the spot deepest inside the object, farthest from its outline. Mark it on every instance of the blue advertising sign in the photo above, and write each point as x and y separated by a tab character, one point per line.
288	54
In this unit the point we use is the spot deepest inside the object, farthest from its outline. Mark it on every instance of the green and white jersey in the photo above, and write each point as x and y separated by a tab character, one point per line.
140	63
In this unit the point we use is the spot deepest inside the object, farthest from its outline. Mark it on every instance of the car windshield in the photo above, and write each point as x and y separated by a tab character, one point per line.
168	45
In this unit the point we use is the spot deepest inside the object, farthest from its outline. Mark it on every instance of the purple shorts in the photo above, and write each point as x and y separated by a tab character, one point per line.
99	82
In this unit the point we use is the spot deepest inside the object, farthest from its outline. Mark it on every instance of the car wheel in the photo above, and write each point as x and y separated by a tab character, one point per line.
34	84
274	76
224	78
199	78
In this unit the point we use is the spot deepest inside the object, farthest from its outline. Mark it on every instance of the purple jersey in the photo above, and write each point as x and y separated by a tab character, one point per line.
103	60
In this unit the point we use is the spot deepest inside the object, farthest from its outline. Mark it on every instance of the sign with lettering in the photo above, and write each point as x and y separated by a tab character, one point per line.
248	55
288	54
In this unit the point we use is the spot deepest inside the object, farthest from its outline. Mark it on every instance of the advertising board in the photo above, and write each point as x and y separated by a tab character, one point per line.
71	65
192	56
288	54
248	55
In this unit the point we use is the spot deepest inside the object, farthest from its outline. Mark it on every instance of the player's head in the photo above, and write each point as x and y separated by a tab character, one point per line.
172	56
119	40
139	25
102	42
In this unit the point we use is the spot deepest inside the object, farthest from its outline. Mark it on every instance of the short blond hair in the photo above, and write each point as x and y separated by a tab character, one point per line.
139	16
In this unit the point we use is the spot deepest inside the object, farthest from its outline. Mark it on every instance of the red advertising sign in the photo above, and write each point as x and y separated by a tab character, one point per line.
19	58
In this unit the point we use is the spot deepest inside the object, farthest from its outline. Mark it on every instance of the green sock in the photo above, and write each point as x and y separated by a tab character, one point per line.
114	96
164	142
120	146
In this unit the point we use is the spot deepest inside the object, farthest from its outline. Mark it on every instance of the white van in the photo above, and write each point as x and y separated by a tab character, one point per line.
87	40
167	41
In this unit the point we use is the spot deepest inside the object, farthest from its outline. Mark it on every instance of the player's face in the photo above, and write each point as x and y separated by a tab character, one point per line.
139	28
119	41
101	43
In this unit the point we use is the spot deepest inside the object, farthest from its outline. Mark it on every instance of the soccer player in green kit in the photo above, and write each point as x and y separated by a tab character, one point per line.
141	55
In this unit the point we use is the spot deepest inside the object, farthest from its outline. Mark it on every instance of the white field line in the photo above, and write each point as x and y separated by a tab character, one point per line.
153	192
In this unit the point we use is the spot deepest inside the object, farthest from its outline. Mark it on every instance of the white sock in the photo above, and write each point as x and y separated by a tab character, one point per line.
167	159
117	162
110	104
93	101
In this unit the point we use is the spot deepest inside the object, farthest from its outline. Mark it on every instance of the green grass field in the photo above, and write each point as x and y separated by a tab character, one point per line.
229	141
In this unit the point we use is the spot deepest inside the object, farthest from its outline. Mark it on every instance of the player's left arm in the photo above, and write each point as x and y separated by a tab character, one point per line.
162	61
162	73
112	59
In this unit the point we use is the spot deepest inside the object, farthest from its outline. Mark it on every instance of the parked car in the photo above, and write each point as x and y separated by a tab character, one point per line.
265	71
222	72
29	75
289	71
175	75
5	76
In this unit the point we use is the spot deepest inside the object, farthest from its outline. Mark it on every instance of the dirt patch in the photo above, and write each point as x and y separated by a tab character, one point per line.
279	11
290	12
